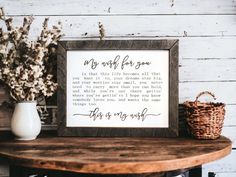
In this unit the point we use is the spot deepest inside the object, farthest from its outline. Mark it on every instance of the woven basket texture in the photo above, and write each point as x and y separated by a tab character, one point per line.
205	119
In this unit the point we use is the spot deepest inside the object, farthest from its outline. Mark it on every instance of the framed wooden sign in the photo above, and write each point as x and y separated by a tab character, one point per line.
118	88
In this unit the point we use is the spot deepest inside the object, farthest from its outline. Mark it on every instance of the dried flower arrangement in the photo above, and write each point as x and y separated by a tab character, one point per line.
24	67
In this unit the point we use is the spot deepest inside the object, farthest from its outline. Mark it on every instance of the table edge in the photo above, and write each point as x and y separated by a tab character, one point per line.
128	167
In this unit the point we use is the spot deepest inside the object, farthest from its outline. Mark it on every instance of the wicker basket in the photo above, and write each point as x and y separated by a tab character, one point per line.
205	120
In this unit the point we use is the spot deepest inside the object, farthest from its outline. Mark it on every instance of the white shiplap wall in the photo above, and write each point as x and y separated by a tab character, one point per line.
206	30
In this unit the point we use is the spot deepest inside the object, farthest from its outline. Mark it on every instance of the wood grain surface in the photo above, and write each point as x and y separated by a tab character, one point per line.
114	155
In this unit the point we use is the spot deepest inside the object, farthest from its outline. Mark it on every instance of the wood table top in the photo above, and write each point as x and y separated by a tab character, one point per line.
111	155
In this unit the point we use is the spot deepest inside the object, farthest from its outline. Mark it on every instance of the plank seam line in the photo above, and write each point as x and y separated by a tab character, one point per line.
101	15
149	37
230	58
184	81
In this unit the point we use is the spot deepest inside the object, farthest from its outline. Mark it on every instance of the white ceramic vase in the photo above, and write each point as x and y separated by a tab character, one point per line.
26	123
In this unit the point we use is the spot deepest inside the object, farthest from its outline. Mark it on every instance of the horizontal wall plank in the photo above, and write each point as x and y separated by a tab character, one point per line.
223	167
189	47
214	69
230	118
226	174
207	47
110	7
224	91
161	26
230	132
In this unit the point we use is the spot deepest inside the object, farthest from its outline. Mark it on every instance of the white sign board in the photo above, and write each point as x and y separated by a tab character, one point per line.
117	88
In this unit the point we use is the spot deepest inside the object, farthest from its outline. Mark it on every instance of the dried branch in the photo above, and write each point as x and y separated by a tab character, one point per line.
101	30
26	25
2	14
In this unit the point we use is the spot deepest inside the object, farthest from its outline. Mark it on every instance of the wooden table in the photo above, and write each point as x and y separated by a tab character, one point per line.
113	155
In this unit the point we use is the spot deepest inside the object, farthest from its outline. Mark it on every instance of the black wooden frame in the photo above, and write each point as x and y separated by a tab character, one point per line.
171	45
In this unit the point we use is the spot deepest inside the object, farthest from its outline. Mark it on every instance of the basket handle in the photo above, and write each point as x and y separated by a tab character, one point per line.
204	93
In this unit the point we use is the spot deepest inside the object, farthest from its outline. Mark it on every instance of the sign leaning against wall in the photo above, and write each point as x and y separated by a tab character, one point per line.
118	88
